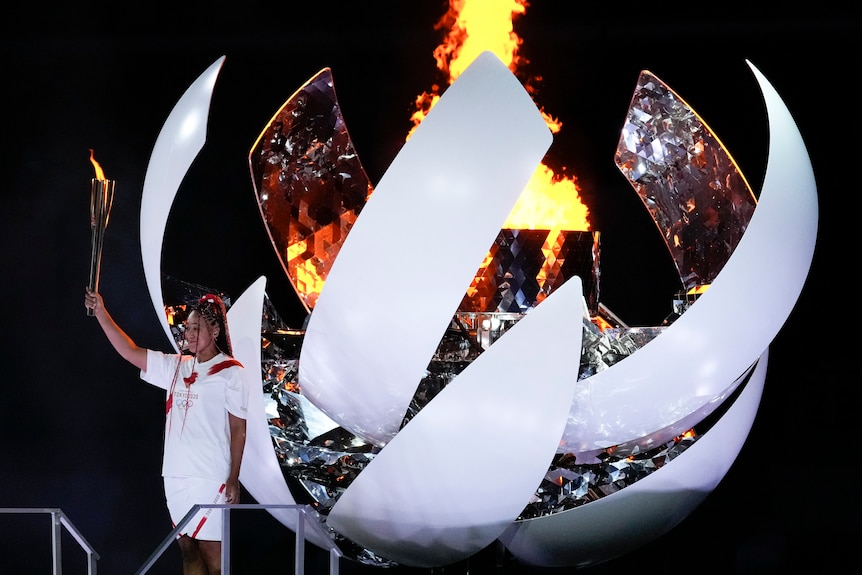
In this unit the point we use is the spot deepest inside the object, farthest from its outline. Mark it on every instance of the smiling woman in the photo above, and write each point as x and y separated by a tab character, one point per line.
205	425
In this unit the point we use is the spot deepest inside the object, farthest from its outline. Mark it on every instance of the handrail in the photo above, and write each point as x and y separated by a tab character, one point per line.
303	516
59	518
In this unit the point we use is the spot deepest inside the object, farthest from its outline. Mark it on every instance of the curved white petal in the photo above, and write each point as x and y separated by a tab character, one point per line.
261	472
634	516
731	324
179	142
463	468
415	248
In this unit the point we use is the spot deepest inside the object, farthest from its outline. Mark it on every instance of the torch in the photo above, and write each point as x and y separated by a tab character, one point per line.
101	200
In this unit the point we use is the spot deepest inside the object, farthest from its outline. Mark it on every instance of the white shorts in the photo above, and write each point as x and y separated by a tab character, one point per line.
182	493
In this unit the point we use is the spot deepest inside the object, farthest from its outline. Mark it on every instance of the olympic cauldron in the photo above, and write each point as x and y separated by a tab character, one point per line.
378	448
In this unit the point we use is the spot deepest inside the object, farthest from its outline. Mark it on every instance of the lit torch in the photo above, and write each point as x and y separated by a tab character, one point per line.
101	200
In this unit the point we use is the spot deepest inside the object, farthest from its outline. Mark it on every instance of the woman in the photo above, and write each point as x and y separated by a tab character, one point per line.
205	423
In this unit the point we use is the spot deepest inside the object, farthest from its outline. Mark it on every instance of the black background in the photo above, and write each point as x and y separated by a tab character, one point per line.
80	432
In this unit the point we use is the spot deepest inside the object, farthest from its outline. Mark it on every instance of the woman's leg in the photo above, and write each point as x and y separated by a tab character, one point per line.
193	559
210	552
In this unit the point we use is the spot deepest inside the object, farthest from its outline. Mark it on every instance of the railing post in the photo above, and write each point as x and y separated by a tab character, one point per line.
56	541
301	527
59	520
225	541
299	566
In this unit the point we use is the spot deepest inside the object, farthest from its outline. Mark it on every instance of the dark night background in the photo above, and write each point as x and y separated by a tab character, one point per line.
79	431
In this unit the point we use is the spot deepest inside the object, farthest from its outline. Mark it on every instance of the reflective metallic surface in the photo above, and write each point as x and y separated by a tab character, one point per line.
691	186
524	266
309	182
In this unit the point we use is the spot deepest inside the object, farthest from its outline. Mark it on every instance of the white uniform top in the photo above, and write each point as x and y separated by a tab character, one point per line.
197	430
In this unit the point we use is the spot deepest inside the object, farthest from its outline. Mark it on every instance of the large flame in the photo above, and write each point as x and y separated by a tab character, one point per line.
550	200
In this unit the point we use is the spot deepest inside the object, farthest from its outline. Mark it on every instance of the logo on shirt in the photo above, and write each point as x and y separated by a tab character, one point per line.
184	399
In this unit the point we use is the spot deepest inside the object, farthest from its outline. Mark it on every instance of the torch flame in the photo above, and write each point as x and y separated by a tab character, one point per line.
100	175
550	200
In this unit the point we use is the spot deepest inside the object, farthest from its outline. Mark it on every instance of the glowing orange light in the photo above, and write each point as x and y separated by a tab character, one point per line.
308	278
100	175
549	201
474	26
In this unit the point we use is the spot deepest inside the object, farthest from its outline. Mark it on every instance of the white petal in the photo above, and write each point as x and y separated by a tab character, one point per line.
261	472
732	323
634	516
415	248
179	142
464	467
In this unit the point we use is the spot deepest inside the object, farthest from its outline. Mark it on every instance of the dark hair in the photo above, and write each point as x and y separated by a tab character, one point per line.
212	309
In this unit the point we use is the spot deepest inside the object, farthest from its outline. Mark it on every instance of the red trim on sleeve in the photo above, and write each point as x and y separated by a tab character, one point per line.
224	365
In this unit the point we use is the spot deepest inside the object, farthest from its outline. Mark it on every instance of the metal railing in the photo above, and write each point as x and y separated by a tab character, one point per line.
58	520
303	517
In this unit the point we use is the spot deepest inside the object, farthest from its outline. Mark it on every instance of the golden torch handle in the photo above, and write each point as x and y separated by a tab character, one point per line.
101	201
